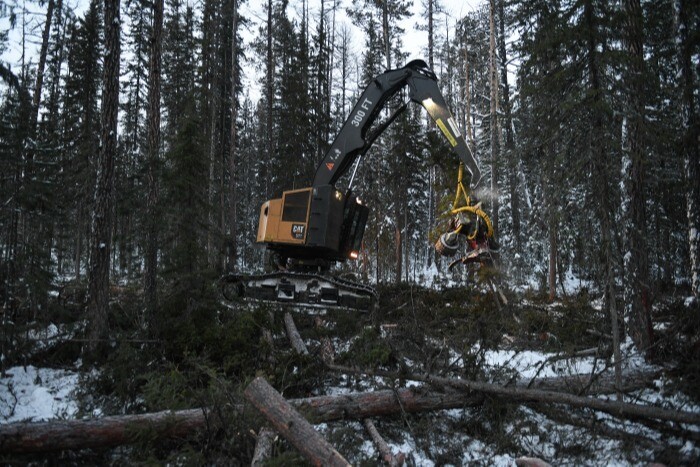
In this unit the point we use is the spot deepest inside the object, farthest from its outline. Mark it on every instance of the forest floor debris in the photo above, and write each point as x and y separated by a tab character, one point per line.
455	333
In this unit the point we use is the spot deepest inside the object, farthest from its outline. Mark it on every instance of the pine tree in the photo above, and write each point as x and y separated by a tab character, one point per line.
80	127
102	221
153	162
637	287
687	19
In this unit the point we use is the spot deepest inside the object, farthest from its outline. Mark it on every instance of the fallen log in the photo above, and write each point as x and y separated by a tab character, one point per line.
520	394
384	449
293	335
573	384
55	435
290	424
530	462
614	408
263	447
23	437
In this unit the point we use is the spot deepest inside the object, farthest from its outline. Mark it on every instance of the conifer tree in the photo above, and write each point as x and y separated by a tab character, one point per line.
637	290
102	220
153	161
80	124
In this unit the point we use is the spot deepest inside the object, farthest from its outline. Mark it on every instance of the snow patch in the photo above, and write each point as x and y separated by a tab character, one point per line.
36	394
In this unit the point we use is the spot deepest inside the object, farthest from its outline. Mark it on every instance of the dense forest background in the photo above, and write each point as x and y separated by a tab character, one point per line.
132	153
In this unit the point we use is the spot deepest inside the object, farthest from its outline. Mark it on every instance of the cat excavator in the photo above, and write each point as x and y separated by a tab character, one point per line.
307	230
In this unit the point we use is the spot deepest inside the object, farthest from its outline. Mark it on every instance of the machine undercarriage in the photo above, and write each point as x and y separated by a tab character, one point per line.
300	288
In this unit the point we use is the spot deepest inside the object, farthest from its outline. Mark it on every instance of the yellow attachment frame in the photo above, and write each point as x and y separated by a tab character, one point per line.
462	197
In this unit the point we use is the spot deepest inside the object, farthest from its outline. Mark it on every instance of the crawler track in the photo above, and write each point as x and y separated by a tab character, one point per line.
299	288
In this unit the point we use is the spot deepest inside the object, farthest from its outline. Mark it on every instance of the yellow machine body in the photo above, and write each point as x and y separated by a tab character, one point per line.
286	219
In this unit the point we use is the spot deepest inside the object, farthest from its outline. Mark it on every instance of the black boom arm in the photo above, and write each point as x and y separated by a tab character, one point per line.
353	140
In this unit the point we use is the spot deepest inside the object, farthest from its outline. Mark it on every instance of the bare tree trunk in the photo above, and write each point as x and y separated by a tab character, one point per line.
263	447
384	449
510	142
98	289
293	335
154	67
493	115
602	175
232	187
385	34
36	101
269	84
431	11
552	273
691	138
290	424
637	290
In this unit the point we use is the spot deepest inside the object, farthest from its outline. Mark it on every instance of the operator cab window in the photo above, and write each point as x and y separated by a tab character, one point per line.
295	206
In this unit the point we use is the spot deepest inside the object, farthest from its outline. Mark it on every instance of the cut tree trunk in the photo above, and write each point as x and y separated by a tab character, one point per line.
290	424
263	448
384	449
293	335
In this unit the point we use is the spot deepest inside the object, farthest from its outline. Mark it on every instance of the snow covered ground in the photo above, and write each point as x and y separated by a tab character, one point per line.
36	394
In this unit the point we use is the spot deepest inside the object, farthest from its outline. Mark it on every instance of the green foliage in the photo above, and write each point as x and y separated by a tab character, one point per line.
369	350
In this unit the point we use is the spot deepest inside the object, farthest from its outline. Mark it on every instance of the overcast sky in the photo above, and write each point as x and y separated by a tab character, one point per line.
414	41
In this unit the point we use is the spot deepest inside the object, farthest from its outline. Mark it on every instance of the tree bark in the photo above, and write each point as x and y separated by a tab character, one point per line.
431	11
232	187
637	291
263	447
602	181
269	86
552	272
36	101
493	115
290	424
23	437
522	394
691	138
98	292
510	141
293	335
154	69
384	449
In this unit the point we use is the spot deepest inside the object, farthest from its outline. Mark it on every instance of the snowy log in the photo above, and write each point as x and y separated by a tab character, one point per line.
290	424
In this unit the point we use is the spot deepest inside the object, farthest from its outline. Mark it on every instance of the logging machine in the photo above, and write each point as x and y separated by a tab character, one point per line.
308	230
